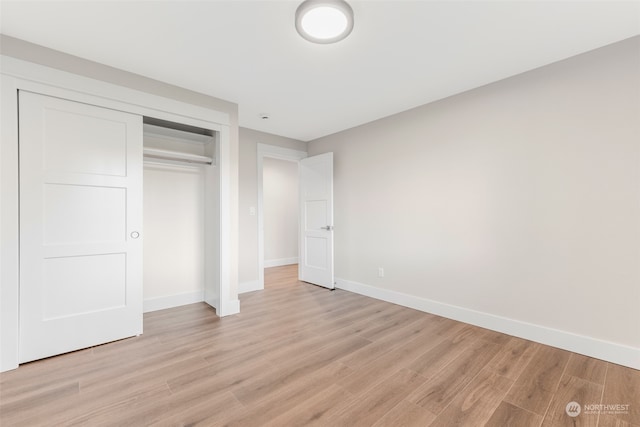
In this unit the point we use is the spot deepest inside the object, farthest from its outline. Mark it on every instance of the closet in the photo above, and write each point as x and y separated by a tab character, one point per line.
74	151
180	193
84	242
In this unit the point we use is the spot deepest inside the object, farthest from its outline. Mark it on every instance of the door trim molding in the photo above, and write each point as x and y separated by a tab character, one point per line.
275	152
17	75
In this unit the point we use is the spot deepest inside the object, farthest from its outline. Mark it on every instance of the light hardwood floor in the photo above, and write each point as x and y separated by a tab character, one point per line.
300	355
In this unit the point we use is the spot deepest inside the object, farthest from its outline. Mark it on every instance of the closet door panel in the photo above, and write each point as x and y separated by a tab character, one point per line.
84	213
65	290
80	225
84	143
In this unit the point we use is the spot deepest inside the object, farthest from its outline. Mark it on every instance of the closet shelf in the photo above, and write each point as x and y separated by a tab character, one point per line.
157	153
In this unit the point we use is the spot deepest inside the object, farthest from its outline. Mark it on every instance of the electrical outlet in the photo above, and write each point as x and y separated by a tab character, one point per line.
380	272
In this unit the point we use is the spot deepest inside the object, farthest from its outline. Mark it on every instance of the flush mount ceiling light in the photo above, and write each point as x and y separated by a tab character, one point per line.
324	21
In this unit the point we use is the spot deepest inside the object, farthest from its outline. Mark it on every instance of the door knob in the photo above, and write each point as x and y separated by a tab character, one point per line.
328	227
135	235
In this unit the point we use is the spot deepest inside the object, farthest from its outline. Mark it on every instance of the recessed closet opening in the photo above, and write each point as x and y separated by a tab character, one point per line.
180	187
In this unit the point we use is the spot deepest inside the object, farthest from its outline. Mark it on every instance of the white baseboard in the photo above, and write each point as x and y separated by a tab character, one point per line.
604	350
279	262
169	301
253	285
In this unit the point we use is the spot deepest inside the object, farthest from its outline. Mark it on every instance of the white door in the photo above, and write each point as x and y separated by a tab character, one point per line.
80	225
316	220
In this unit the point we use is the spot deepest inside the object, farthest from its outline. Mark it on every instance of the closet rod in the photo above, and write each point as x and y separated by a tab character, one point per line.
159	123
156	153
178	160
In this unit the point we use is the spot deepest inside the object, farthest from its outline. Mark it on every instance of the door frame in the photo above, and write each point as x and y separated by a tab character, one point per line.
274	152
17	74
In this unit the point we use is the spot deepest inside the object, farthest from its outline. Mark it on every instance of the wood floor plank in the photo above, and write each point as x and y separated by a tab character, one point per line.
441	389
475	404
115	411
205	414
354	321
364	378
154	374
46	371
509	415
587	368
389	324
372	406
77	365
299	354
84	406
296	368
495	337
389	342
193	407
612	421
440	355
284	399
573	389
216	376
21	411
622	386
23	391
225	355
535	387
406	414
175	361
513	358
316	410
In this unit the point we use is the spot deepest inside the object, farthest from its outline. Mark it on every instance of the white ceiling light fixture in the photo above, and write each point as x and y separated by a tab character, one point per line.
324	21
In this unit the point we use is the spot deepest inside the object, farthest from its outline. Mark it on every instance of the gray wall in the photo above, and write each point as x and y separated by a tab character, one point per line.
520	199
280	210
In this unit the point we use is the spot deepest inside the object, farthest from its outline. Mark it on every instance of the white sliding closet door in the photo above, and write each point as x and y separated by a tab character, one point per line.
80	225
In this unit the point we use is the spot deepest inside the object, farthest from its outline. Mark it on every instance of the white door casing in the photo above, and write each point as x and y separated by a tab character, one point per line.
80	225
316	220
275	152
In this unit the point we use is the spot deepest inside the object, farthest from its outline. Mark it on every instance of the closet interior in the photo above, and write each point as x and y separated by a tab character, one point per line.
180	212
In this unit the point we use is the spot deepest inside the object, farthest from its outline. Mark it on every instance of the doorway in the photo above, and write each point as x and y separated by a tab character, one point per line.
271	155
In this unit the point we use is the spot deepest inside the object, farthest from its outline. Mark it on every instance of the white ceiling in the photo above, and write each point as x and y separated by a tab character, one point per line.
401	54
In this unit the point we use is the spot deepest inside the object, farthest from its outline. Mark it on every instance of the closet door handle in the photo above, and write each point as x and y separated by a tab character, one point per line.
135	235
